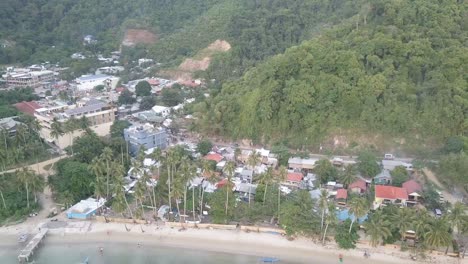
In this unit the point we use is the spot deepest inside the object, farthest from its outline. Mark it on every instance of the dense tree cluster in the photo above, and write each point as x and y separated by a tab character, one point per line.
387	70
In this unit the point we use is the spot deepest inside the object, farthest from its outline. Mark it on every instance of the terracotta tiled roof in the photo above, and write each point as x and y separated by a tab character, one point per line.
341	194
412	186
214	156
295	176
27	107
390	192
361	184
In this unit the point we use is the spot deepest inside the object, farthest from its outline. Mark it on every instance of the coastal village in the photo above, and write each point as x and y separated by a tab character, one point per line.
207	180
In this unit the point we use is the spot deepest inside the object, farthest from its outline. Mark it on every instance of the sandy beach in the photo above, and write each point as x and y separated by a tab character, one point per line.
226	241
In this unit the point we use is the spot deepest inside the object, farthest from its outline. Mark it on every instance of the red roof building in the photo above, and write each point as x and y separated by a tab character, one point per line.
390	192
412	186
341	194
295	177
214	156
119	89
359	186
27	107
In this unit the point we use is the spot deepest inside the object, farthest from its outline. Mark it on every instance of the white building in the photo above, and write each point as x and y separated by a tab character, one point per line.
88	82
162	110
27	77
100	117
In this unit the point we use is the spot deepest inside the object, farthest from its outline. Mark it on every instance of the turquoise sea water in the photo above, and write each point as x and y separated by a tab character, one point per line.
54	252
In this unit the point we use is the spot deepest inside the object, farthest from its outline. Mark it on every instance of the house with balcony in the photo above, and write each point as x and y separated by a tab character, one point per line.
385	195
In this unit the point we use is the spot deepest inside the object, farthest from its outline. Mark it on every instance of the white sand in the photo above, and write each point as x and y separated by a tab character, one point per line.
235	242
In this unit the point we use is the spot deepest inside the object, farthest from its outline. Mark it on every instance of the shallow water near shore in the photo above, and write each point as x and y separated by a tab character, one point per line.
55	251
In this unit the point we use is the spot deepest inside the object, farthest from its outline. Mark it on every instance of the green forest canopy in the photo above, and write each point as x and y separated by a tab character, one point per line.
399	68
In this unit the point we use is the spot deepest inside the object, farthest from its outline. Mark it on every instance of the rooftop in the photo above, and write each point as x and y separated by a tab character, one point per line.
85	109
360	183
214	156
390	192
86	206
412	186
85	78
295	176
341	194
27	107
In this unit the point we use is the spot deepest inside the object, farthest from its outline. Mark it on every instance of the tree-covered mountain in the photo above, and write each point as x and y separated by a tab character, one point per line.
397	67
50	29
41	30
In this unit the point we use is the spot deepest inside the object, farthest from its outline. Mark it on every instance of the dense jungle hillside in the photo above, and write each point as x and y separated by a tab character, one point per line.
297	71
397	67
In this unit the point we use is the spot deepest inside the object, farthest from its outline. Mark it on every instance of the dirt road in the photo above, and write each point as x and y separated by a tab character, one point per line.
39	167
449	196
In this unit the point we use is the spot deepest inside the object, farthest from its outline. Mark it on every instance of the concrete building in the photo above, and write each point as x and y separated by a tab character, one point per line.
99	114
30	77
85	209
88	82
145	135
161	110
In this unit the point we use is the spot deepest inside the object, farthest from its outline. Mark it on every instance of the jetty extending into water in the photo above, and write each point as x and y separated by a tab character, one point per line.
28	251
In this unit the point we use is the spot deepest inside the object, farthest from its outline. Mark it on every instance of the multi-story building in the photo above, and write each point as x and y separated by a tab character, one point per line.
145	135
88	82
31	77
99	115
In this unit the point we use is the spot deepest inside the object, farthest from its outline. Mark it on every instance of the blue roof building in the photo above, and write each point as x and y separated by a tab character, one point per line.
343	215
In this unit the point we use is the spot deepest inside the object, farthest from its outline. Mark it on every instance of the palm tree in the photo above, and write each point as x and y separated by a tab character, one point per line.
56	129
2	187
457	216
140	190
21	132
438	234
70	127
83	123
358	208
265	179
403	219
378	228
97	167
237	153
421	223
348	176
157	156
207	171
323	204
118	171
254	159
37	184
281	177
331	219
178	192
25	176
186	177
106	157
230	168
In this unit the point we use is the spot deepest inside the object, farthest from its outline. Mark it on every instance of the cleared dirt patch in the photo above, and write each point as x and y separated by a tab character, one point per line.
139	36
199	62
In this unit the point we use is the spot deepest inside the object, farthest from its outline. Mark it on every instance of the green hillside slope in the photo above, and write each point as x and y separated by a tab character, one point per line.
399	67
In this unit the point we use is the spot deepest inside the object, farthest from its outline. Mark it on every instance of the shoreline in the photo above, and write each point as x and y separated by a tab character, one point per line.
236	242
